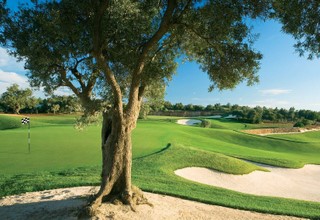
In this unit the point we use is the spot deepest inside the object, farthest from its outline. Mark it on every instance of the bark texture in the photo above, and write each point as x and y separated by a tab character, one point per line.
116	164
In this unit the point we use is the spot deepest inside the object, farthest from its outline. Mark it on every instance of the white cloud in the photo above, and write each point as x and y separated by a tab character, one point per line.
8	62
63	91
272	103
275	91
12	77
9	78
204	101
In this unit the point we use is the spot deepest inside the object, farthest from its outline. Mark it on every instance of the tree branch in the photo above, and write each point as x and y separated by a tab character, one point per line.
136	76
101	59
75	72
92	80
194	31
184	10
68	83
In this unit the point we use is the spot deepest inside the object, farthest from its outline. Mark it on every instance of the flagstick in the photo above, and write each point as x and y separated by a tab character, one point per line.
27	121
29	137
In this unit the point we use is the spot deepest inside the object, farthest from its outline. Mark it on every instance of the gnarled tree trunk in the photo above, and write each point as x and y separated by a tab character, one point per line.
116	163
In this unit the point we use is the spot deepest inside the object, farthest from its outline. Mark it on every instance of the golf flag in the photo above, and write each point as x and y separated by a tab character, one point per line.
24	121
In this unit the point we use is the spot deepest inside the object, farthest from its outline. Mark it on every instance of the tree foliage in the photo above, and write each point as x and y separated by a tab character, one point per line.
302	20
56	41
15	99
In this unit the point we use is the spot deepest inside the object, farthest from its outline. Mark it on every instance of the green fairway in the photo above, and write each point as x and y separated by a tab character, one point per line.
233	124
62	156
307	137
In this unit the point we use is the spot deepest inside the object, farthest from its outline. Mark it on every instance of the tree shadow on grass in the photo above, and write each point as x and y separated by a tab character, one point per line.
15	152
157	152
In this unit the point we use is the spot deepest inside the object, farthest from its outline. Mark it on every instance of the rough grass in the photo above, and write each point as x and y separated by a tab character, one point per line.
7	122
234	124
306	137
63	157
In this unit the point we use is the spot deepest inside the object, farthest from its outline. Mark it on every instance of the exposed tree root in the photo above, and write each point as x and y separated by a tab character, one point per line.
124	198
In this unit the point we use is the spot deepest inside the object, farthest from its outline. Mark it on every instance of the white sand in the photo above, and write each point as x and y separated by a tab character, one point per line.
299	132
303	184
64	204
214	116
188	121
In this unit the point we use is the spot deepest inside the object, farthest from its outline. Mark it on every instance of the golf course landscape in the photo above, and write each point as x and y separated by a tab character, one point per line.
62	156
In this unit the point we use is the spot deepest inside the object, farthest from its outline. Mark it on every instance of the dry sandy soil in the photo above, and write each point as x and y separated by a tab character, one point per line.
303	184
65	203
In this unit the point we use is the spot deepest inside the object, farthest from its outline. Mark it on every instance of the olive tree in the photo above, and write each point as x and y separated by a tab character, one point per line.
301	19
122	47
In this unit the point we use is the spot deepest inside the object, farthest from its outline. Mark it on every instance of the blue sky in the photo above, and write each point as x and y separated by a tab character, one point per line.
286	80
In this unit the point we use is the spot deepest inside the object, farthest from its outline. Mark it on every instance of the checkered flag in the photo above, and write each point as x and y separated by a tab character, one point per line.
25	120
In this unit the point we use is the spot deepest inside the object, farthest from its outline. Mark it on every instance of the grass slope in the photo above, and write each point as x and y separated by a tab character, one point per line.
63	157
7	122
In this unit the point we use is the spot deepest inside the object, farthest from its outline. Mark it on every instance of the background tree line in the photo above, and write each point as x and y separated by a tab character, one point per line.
245	113
16	100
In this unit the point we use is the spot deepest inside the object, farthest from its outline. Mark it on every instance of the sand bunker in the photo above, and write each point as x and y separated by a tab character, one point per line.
64	204
303	184
188	121
275	131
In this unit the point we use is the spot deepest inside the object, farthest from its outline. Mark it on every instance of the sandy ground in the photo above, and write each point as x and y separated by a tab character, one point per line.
303	184
65	203
188	121
301	131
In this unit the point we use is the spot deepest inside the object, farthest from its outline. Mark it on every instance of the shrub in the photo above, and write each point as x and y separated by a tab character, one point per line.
299	124
205	123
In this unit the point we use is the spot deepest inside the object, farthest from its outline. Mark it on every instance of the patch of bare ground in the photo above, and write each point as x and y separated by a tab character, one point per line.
292	130
65	204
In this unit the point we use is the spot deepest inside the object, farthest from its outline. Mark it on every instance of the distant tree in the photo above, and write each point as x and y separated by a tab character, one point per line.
16	99
235	107
291	114
268	114
153	99
205	123
167	105
218	107
299	124
227	107
209	108
255	115
302	20
188	107
68	104
55	108
239	113
178	106
198	108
